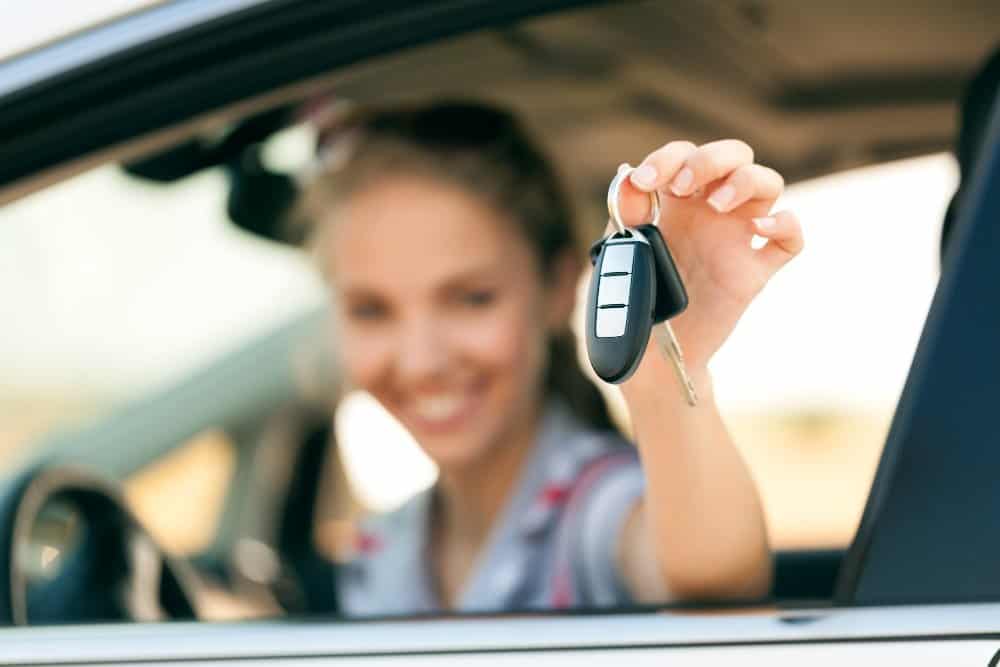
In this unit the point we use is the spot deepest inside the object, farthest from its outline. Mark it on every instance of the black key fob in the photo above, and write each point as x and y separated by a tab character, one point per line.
671	297
620	305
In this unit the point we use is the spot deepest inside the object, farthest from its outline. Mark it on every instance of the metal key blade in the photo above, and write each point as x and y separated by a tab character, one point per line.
671	348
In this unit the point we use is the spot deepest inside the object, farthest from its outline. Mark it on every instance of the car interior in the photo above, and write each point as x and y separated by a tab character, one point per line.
628	75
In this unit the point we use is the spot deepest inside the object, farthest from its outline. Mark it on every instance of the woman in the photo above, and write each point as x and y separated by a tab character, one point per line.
453	263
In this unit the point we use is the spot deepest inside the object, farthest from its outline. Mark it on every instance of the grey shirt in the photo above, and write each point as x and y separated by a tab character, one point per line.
553	546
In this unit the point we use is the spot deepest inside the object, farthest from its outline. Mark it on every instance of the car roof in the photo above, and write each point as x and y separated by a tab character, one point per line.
625	75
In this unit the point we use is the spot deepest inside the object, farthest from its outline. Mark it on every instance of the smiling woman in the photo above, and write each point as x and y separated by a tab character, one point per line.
450	250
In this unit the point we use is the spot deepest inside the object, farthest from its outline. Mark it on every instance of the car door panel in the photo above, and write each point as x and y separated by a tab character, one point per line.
919	634
915	654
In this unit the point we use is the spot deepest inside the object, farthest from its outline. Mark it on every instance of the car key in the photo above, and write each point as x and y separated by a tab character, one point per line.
671	297
671	300
620	305
668	296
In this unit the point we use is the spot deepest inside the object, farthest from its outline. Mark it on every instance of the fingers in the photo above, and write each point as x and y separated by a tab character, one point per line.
662	165
752	182
722	169
683	168
784	238
653	173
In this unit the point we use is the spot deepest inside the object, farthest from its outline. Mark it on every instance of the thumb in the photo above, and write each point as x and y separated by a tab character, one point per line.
634	204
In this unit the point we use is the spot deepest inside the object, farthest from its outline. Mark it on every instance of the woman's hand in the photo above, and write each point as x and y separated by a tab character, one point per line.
701	520
714	198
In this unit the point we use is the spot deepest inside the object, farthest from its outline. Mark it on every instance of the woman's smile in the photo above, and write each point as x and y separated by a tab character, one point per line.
443	412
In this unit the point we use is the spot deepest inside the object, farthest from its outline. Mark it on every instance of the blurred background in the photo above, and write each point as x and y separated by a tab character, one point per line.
112	287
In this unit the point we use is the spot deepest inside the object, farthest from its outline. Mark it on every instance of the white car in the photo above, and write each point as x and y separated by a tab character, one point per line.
169	453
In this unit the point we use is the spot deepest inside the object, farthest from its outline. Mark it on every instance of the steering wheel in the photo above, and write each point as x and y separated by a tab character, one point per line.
71	552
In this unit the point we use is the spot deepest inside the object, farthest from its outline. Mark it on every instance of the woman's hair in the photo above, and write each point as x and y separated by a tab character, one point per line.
484	151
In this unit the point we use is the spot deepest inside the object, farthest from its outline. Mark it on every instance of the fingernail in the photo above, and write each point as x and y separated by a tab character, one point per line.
622	167
765	224
644	176
683	182
722	198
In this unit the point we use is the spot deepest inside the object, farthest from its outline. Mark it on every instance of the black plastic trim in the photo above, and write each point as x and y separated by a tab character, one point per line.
204	67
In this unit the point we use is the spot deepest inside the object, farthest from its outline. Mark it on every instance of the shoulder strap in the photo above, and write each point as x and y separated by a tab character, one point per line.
564	594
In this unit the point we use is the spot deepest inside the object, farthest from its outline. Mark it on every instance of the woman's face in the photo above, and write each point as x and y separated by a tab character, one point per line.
443	313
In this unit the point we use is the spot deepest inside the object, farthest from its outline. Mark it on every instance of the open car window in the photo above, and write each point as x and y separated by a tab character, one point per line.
124	291
807	384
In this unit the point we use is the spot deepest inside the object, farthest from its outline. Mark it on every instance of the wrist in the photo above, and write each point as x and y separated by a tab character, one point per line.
656	379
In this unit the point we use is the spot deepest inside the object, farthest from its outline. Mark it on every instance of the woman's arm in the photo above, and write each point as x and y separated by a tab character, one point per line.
700	532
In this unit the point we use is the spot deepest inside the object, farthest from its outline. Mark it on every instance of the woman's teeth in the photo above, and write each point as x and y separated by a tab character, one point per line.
438	407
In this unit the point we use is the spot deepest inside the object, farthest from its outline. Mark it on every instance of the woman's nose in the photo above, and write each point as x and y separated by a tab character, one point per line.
423	352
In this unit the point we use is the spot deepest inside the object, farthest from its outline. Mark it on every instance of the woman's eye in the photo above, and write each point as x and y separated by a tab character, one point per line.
366	311
478	298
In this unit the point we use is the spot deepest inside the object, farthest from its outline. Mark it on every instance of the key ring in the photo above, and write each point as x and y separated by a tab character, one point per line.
614	192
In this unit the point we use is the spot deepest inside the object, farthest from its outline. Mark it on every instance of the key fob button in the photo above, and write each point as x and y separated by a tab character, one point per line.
611	322
613	290
617	259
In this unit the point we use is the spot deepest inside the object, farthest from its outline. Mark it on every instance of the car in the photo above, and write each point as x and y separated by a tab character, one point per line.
207	486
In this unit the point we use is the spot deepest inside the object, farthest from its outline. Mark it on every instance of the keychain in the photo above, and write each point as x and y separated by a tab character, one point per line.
634	287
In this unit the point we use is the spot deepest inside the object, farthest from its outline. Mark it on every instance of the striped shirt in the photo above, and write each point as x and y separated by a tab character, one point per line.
553	546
